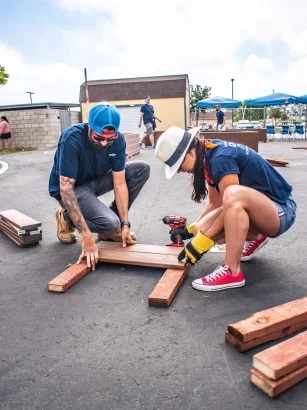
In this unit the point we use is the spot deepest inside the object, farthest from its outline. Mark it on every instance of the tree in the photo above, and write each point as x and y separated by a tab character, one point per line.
3	76
275	113
251	113
198	93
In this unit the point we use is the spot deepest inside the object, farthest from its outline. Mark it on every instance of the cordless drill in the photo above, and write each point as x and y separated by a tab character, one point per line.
178	229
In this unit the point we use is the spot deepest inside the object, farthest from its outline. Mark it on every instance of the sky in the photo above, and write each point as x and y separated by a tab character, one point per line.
46	44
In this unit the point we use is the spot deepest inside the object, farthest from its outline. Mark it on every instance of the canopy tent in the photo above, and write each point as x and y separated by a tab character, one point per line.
272	99
223	102
301	100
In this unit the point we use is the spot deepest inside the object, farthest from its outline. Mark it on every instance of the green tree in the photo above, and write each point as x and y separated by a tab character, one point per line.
251	113
4	76
275	113
198	93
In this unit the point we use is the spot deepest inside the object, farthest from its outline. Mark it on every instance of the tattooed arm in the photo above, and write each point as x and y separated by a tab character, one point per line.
89	248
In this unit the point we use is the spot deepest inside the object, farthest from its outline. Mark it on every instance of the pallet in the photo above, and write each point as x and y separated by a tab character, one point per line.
19	228
139	255
283	358
277	162
268	325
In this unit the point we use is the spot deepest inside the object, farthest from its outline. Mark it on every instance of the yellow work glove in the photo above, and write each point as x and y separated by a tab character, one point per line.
195	249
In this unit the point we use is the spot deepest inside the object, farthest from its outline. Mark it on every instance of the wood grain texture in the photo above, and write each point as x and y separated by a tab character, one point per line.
68	277
279	334
19	219
268	321
274	387
167	287
139	255
283	358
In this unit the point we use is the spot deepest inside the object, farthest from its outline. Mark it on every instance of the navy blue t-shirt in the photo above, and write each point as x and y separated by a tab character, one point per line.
76	158
220	117
148	112
253	170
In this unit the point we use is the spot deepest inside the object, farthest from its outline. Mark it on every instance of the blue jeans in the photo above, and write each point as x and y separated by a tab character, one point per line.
99	217
287	215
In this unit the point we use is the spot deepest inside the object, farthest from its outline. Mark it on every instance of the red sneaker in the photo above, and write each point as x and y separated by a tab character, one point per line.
220	279
251	247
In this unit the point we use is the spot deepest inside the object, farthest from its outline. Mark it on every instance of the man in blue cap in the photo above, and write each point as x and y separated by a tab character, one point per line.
90	161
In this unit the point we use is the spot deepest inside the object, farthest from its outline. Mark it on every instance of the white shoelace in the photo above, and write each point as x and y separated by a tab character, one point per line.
218	273
248	245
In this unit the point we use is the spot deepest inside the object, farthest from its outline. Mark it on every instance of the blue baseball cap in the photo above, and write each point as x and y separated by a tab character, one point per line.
103	115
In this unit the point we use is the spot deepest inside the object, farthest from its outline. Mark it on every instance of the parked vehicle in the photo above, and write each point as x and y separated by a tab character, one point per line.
204	126
244	124
256	124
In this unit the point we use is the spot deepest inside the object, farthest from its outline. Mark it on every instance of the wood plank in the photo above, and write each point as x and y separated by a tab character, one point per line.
153	249
21	239
277	161
271	320
299	147
283	358
68	277
19	219
274	387
16	242
279	334
17	231
139	258
167	287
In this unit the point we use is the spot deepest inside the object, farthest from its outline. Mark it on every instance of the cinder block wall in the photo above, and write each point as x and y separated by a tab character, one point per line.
37	128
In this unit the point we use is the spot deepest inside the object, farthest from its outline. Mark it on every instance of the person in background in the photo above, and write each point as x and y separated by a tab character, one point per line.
220	118
147	114
5	133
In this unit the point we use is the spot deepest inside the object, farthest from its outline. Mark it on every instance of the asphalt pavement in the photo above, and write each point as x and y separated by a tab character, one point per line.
99	345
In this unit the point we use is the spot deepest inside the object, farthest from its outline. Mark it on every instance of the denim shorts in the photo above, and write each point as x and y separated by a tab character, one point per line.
287	215
149	129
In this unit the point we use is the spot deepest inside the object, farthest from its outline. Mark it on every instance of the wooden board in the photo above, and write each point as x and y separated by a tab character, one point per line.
139	255
299	147
268	321
17	231
274	387
18	219
277	161
20	244
68	277
167	287
242	347
22	239
283	358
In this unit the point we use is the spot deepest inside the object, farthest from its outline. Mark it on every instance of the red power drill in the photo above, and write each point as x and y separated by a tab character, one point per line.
177	224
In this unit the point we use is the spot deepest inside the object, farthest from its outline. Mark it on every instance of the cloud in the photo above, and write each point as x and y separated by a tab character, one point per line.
130	39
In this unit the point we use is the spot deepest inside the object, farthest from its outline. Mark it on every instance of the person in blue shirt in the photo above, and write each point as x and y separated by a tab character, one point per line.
220	118
90	161
249	201
147	114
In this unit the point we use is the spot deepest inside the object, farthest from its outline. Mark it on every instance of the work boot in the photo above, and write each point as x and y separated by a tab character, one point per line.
115	236
66	233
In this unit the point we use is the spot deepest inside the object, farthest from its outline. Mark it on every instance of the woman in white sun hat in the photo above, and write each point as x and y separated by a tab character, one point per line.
249	201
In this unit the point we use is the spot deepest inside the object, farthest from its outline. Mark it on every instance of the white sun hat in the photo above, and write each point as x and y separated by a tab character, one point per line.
172	147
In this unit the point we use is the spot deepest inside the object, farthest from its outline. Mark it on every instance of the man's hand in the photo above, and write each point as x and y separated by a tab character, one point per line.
126	237
139	125
89	251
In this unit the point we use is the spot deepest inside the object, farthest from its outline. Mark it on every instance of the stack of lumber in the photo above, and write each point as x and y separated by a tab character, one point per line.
19	228
268	325
282	366
277	162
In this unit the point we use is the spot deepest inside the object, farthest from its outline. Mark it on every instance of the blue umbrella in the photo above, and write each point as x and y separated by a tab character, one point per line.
272	99
302	99
223	102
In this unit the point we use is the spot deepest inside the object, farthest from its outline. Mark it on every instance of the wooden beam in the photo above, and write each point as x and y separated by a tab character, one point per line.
167	287
18	219
281	162
279	334
299	147
68	277
140	255
270	324
274	387
283	358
